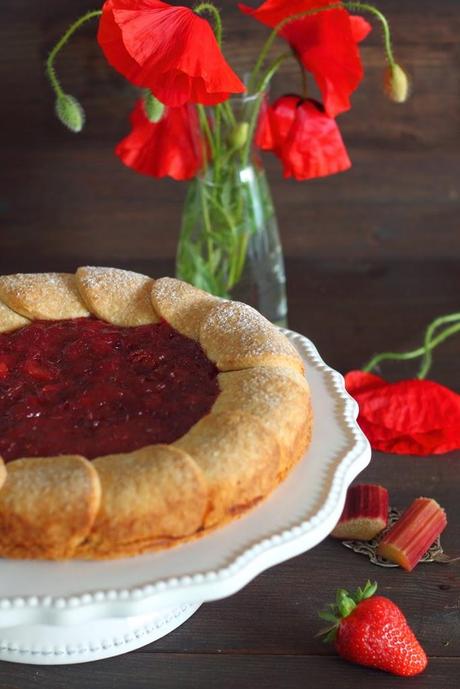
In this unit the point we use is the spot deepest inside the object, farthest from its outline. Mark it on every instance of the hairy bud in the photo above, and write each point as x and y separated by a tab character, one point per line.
396	83
70	112
239	135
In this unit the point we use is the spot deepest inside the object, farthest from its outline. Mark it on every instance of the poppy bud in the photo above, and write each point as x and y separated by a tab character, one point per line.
70	112
239	135
153	108
396	83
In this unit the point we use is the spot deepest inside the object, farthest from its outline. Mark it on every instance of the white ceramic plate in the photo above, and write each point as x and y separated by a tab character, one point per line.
299	514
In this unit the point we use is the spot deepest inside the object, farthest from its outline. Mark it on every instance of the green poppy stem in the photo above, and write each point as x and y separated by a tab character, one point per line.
50	70
425	351
364	7
212	9
279	27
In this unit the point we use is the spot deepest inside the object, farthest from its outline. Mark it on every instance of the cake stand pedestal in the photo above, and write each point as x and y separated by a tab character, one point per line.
95	640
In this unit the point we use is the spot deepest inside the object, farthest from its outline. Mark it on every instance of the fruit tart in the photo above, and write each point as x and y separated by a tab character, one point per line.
136	413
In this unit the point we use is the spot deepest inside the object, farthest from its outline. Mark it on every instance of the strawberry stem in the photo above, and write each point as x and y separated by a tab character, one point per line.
344	605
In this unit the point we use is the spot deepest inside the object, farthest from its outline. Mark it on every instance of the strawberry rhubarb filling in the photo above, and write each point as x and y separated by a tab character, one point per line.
86	387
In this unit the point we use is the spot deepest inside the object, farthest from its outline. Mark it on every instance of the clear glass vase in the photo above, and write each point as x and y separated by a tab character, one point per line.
229	243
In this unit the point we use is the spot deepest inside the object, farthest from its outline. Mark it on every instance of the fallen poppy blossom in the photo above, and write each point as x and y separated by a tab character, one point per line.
414	417
306	140
167	148
167	49
326	43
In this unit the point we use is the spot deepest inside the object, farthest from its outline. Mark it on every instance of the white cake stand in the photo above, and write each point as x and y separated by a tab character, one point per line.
74	612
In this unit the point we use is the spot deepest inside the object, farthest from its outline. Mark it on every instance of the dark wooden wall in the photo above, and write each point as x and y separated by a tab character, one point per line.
66	198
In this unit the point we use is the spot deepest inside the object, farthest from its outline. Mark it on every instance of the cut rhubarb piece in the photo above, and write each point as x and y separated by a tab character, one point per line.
365	513
412	535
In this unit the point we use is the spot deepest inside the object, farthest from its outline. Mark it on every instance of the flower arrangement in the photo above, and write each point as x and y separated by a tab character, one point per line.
196	119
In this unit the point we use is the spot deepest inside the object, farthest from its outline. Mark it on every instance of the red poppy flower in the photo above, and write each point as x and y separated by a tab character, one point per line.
414	417
168	148
326	44
307	141
168	49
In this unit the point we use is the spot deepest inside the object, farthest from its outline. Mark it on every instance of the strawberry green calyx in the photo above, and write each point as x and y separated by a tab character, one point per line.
344	605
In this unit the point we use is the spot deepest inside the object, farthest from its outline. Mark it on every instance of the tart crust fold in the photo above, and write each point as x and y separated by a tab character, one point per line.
236	336
47	506
48	296
117	296
240	460
159	495
157	492
10	320
183	306
279	397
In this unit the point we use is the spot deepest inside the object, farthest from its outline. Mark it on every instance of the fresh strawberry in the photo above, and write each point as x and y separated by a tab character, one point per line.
372	631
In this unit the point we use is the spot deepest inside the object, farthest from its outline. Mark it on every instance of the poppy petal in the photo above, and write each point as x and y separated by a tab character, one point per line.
418	417
326	43
314	146
168	148
307	141
168	49
360	28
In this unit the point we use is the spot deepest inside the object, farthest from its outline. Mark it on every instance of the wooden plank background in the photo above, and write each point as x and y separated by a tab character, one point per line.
66	196
372	256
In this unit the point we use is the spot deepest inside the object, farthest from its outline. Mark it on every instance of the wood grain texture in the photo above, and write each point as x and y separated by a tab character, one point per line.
264	635
373	255
69	192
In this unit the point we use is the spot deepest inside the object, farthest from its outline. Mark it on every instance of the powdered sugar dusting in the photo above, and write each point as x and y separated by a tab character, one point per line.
42	295
118	296
115	278
244	331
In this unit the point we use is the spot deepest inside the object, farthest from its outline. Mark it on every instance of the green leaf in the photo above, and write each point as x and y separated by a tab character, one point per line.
328	616
340	595
70	112
346	606
369	589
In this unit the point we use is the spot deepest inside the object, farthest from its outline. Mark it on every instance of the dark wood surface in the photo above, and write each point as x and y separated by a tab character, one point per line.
372	256
264	635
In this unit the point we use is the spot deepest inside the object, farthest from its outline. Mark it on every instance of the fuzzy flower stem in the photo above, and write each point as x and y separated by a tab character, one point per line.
212	9
261	87
430	343
427	355
206	129
50	71
364	7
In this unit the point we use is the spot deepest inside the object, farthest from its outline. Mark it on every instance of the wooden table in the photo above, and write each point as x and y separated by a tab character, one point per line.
263	637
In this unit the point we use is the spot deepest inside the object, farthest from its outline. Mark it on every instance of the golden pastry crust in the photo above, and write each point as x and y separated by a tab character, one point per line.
2	472
160	495
155	492
48	296
279	397
10	320
47	506
236	336
117	296
240	460
183	306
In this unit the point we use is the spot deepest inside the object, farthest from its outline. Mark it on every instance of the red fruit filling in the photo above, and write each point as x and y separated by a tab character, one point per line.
86	387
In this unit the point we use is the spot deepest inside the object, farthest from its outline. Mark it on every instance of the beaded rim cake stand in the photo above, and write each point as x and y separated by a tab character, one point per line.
70	612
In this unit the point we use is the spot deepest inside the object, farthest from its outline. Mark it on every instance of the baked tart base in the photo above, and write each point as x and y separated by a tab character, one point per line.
237	449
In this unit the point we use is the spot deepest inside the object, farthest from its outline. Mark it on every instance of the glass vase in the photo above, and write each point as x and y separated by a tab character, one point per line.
229	243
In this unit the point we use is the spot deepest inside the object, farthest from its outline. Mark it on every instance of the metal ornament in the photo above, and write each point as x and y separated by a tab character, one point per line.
434	554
